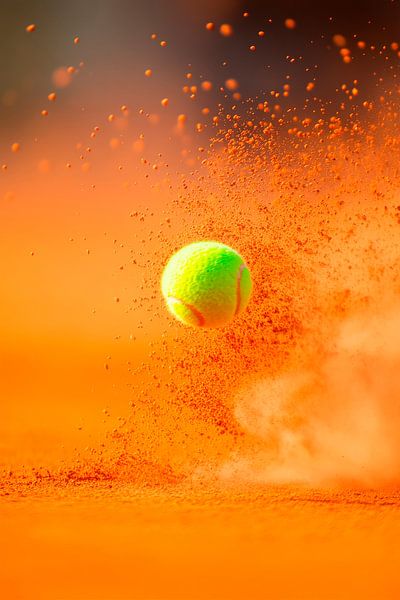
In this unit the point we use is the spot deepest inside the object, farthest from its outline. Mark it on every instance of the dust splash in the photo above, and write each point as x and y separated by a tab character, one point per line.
302	387
330	414
333	421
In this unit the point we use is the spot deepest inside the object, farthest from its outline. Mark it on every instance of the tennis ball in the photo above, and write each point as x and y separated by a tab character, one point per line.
206	284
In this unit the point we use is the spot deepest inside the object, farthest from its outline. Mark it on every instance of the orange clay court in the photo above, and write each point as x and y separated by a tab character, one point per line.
145	459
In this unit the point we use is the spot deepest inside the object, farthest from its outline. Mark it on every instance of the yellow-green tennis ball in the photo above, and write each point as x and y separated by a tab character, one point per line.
206	284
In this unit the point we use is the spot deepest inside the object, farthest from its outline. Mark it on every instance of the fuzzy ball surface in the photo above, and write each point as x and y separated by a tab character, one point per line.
206	284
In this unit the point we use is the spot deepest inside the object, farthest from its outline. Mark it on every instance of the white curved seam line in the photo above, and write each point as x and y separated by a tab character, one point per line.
200	318
238	282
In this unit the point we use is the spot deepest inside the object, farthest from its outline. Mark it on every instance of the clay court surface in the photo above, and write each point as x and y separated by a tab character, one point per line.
103	541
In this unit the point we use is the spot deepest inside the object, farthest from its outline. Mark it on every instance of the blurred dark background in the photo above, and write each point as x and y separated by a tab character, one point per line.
115	47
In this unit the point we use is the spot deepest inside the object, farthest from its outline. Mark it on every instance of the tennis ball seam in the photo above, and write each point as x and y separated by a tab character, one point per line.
199	316
201	321
238	292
